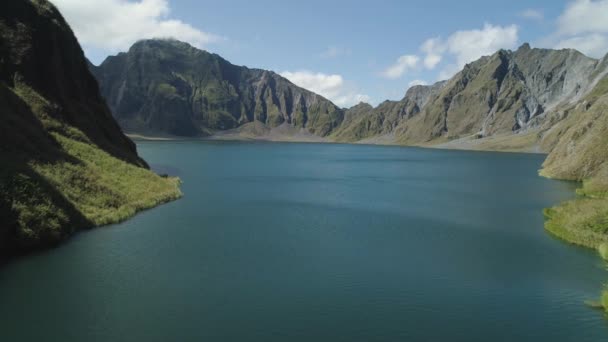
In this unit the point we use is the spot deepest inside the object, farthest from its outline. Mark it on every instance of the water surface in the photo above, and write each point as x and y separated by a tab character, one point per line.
313	242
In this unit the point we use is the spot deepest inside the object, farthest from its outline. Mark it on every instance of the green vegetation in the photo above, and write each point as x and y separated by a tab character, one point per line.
580	153
583	221
104	189
604	300
603	249
66	183
65	164
599	90
166	90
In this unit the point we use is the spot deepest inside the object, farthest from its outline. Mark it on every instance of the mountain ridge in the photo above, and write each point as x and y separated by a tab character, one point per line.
502	95
190	92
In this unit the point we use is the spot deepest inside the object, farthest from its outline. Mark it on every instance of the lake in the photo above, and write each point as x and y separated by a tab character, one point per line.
318	242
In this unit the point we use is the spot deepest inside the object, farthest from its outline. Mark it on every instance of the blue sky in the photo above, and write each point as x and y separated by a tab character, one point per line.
345	50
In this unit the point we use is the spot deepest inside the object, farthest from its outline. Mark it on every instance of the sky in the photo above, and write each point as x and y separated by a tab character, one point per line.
347	51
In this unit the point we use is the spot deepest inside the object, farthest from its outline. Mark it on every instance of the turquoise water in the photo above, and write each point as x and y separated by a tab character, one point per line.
312	242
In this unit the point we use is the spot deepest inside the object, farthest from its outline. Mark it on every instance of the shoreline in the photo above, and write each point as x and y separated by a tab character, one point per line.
137	136
448	146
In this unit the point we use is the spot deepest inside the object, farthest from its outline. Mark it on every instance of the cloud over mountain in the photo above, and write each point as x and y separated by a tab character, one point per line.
114	25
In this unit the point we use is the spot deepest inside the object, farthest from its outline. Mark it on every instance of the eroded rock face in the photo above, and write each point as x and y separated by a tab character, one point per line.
510	91
383	119
505	92
170	87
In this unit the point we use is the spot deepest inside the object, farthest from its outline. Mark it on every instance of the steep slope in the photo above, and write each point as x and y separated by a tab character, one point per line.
65	163
579	151
581	154
363	122
170	87
504	93
355	112
497	102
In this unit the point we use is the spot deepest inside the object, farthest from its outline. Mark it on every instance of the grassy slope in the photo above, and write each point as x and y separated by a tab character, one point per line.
64	162
581	153
65	183
104	189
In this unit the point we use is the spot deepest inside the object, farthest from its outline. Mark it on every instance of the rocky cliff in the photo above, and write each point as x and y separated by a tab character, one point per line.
170	87
369	122
507	93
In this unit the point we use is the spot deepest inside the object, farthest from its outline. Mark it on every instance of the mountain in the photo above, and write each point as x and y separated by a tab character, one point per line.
578	141
65	163
508	93
580	153
382	120
170	87
505	93
499	102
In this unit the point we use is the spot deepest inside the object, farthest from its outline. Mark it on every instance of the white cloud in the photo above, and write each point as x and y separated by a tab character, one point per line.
468	46
433	48
533	14
323	84
584	16
595	45
332	87
114	25
431	61
350	100
461	47
417	82
403	64
583	26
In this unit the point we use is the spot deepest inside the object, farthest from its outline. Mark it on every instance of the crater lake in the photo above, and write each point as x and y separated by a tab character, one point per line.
318	242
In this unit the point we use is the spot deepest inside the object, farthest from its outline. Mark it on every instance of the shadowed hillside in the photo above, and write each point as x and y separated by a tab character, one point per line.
66	165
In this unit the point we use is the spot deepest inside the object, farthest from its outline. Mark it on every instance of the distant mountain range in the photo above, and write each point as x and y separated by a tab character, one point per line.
166	87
